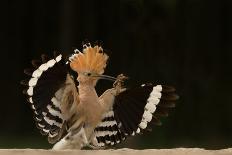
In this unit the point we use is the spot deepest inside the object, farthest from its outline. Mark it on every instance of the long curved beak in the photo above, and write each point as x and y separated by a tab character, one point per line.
105	77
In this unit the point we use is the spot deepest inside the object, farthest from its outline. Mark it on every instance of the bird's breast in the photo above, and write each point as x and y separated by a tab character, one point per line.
89	103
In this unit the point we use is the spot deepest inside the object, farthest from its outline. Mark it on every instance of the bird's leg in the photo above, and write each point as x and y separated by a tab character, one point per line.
75	139
118	84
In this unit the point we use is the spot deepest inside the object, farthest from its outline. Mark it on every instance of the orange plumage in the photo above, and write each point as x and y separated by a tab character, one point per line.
92	59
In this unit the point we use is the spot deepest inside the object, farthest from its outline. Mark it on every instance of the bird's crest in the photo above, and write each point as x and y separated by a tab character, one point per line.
92	59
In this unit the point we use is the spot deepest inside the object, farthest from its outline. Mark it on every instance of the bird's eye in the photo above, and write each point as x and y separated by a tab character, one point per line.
87	74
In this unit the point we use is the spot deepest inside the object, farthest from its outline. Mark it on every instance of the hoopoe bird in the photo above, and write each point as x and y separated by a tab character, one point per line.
67	109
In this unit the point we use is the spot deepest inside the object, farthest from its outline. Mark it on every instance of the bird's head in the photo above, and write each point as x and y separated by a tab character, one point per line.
90	65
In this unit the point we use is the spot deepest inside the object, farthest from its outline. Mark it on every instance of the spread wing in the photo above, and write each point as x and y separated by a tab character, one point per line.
133	110
51	92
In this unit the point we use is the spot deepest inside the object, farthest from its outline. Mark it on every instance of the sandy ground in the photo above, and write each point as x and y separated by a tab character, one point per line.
178	151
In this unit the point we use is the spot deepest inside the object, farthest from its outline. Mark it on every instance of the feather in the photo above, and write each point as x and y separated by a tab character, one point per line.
168	89
156	121
170	97
166	104
24	82
92	59
28	71
44	58
36	63
55	54
161	112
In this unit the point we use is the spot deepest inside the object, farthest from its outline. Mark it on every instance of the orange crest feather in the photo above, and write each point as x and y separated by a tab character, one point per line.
91	60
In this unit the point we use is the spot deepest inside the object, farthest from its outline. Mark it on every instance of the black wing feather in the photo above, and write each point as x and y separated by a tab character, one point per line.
48	116
134	110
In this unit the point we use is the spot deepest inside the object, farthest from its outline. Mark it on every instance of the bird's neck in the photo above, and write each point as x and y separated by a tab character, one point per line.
87	93
90	105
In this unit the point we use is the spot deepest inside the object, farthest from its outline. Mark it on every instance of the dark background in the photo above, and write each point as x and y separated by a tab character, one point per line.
185	43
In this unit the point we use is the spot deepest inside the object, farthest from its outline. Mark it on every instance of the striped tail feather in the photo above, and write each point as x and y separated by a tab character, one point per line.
134	110
43	89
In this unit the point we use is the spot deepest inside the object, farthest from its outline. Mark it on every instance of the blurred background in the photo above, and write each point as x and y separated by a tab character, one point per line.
184	43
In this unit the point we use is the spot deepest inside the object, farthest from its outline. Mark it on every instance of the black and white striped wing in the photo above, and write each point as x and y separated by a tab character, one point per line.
133	110
107	132
44	90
